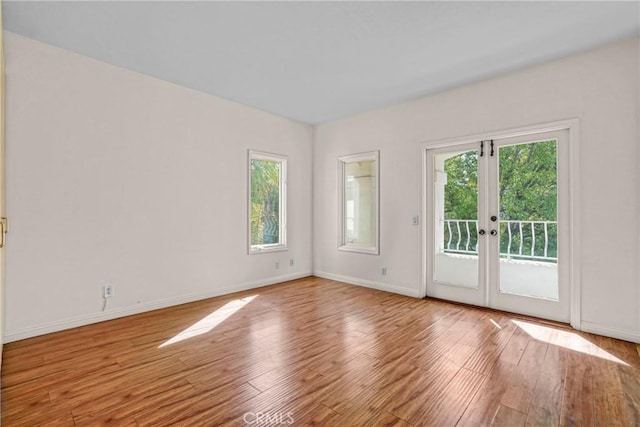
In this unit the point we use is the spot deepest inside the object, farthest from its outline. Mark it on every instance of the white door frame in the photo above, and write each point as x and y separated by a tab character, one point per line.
3	229
573	255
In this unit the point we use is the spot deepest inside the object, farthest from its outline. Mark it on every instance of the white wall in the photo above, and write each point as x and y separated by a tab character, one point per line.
600	87
118	177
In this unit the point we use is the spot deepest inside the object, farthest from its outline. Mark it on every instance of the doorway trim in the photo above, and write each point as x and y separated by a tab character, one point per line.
572	125
3	228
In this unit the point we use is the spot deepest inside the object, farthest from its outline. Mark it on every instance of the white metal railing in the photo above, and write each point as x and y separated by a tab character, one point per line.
533	240
453	235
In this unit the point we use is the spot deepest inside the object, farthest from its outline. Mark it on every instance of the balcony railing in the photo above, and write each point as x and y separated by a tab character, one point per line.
526	240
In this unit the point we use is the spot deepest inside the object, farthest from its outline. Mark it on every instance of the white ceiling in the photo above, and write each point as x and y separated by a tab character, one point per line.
319	61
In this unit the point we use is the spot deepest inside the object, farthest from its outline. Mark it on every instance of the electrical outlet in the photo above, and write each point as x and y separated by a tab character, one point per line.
108	290
383	271
277	265
291	262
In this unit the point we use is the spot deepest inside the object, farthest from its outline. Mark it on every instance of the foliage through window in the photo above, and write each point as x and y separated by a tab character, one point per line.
527	194
267	202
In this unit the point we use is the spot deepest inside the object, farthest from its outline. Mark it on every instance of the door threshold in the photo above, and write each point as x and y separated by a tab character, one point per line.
547	322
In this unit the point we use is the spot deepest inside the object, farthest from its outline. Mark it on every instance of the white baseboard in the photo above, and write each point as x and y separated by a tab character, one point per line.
74	322
410	292
621	334
9	336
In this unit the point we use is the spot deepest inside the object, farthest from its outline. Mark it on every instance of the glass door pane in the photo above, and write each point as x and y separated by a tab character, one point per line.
528	219
456	218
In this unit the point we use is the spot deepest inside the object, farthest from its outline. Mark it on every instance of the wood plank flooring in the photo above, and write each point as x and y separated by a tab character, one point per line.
319	352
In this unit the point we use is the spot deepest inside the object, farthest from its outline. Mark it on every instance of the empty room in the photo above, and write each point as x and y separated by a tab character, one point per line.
320	213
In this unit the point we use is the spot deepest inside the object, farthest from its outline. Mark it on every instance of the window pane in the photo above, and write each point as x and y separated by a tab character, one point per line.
360	203
358	220
456	214
265	201
528	177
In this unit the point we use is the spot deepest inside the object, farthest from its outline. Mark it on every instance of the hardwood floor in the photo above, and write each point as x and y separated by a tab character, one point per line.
314	351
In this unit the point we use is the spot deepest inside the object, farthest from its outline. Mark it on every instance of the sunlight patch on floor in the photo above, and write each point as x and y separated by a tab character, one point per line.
566	339
211	321
495	324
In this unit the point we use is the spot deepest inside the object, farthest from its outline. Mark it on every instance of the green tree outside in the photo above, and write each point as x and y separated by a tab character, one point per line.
265	201
527	192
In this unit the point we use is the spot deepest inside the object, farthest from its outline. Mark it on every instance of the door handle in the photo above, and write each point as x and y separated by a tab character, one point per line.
494	233
481	232
3	231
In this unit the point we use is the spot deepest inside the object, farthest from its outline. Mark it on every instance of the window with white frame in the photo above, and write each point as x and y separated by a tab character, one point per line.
267	202
359	203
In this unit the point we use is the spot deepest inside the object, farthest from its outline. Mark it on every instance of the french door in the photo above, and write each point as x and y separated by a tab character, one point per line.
496	224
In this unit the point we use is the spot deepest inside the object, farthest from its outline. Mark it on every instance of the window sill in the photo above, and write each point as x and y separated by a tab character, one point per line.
360	249
266	249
